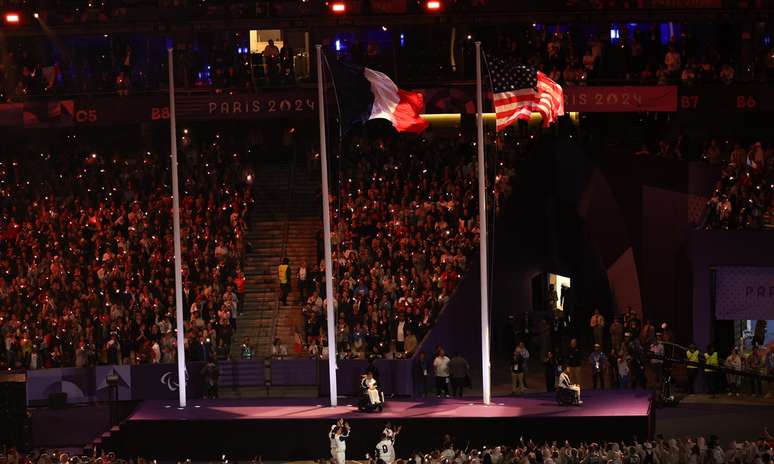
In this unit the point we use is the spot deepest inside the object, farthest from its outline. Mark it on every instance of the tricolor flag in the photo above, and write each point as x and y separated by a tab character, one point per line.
364	94
518	91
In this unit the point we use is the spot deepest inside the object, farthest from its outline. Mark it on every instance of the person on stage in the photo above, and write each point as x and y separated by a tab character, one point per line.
566	384
338	438
370	385
441	369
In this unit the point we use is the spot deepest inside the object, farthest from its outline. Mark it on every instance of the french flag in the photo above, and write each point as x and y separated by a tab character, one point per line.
364	94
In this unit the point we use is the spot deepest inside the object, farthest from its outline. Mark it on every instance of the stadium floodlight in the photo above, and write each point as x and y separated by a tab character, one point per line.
339	7
12	18
433	5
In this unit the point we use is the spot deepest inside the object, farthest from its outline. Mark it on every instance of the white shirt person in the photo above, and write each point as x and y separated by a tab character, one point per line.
338	440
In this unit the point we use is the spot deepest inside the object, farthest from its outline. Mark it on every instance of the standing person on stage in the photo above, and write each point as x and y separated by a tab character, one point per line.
573	361
597	327
338	437
385	449
441	369
422	369
458	372
549	363
517	371
598	362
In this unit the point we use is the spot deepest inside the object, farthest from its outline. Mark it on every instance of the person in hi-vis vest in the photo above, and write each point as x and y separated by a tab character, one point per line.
283	273
692	356
710	370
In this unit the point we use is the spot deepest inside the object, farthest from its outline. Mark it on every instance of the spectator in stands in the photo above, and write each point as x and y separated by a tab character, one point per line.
81	310
410	344
270	58
402	239
278	349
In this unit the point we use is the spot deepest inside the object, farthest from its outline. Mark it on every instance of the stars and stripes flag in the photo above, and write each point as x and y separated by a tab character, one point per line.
518	91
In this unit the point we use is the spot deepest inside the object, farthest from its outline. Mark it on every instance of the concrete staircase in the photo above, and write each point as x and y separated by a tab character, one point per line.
304	222
283	222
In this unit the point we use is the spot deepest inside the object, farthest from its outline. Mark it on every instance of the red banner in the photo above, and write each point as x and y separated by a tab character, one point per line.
620	99
388	6
686	4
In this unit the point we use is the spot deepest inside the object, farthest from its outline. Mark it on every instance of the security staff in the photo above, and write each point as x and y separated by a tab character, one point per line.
710	370
692	356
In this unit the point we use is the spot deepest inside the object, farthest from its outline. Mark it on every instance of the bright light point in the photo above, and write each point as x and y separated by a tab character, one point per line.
12	18
384	28
185	131
339	7
434	5
35	15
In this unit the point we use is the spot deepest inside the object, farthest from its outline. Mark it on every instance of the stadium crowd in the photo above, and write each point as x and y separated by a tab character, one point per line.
660	450
86	256
689	450
570	54
405	225
634	55
744	195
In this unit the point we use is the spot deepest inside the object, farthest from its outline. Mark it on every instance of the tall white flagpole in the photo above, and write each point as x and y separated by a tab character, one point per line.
176	229
327	234
485	367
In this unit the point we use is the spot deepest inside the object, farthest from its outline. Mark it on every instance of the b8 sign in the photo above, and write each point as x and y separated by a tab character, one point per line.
159	113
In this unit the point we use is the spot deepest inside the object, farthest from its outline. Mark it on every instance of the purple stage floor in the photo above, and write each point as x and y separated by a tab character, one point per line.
595	404
296	429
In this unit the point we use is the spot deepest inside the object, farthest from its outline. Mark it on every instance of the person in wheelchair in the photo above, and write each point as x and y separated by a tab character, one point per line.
566	391
371	396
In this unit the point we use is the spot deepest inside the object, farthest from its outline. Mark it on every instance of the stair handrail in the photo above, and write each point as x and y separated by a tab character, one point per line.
720	368
285	237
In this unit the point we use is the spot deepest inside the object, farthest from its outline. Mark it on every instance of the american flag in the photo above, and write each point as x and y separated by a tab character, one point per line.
518	91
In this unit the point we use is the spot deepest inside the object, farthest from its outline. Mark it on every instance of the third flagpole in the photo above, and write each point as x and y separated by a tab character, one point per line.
179	321
327	234
485	367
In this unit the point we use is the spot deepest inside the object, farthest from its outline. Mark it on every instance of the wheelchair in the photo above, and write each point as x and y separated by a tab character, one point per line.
366	404
567	397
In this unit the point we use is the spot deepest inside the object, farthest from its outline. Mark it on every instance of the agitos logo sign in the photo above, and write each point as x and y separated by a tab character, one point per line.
169	379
